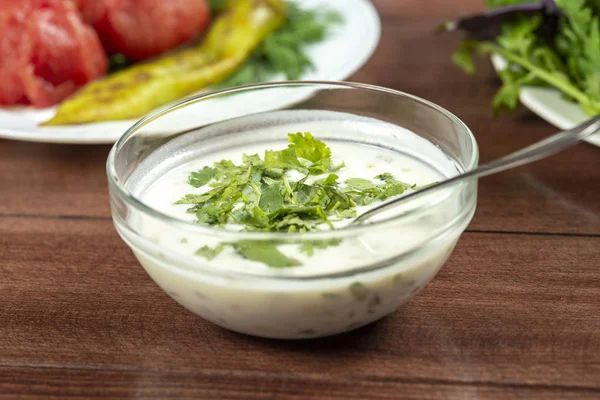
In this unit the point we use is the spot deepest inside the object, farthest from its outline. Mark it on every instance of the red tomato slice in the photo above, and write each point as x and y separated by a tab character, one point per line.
141	29
46	52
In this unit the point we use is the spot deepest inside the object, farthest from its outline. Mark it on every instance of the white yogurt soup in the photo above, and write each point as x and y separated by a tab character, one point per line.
367	274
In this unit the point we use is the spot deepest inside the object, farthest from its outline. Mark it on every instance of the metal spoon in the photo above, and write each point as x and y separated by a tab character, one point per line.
542	149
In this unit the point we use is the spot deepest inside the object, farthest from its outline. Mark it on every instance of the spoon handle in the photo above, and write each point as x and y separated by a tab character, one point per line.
537	151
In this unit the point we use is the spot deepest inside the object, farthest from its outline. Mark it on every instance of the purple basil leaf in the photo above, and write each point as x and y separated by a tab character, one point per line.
487	25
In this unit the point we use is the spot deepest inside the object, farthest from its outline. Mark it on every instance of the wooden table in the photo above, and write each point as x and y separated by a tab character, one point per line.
515	313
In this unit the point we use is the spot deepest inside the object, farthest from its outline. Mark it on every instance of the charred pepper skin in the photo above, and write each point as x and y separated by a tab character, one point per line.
131	93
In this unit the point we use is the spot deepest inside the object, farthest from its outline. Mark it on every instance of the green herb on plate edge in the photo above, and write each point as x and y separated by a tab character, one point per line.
259	196
284	51
216	5
556	44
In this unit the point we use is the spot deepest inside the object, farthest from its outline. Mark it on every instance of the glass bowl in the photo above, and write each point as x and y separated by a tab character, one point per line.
369	272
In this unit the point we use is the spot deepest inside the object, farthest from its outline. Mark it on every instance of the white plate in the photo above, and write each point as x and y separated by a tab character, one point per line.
347	48
549	105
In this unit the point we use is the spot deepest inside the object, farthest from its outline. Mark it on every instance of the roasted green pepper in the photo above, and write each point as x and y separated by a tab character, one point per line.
131	93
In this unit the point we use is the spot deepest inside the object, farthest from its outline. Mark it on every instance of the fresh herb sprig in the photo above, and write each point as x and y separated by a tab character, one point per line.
259	195
284	52
216	5
560	49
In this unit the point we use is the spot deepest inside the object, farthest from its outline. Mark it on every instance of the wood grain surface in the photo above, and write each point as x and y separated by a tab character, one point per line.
515	313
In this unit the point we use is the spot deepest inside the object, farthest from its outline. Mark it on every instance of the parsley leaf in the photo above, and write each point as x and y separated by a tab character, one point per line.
302	146
359	291
216	5
193	199
264	252
463	57
360	184
309	246
331	180
272	199
253	217
284	159
346	214
283	52
366	192
313	150
210	252
202	177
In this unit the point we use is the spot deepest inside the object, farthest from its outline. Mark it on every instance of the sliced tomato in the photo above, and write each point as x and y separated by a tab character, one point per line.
12	47
141	29
46	52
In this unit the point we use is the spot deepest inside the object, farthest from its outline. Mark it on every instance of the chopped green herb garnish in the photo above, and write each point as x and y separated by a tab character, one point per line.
117	62
264	252
259	195
309	247
365	192
209	252
425	186
359	291
346	214
216	5
202	177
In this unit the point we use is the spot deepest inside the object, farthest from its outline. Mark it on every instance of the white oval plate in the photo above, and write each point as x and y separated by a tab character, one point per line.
548	104
347	48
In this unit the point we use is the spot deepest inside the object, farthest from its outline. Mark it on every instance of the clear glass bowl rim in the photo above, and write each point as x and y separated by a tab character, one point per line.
131	200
